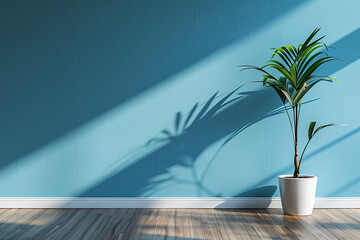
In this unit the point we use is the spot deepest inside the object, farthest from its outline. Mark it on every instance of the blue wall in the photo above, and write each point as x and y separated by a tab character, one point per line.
142	98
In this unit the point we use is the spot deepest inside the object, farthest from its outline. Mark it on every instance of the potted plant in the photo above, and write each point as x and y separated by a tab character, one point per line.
293	77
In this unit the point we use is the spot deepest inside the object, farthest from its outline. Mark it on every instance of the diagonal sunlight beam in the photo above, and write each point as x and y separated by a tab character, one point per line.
81	160
99	61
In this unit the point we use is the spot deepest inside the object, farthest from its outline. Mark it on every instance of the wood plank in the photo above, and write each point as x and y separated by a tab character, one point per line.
171	224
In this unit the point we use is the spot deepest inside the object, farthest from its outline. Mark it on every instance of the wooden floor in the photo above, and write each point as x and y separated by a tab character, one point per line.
179	224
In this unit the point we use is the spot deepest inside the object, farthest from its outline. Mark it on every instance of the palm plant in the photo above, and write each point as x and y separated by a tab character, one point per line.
296	67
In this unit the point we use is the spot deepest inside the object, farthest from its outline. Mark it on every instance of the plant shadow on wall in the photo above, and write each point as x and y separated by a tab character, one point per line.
134	180
204	124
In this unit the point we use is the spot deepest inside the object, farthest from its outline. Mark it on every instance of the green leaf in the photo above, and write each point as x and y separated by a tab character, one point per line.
301	58
285	54
311	130
298	48
296	67
317	41
283	81
246	67
301	93
276	87
313	67
282	57
284	72
276	63
288	97
306	62
293	50
330	78
304	45
325	126
293	71
287	50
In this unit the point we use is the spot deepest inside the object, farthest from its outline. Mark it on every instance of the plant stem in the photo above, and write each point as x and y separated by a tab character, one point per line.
302	154
291	124
296	157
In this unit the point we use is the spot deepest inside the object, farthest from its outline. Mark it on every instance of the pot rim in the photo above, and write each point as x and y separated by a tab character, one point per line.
289	177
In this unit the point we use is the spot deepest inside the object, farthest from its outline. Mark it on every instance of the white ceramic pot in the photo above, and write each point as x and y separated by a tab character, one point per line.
297	194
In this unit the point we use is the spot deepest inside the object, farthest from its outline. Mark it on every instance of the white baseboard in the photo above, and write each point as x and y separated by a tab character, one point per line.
241	202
